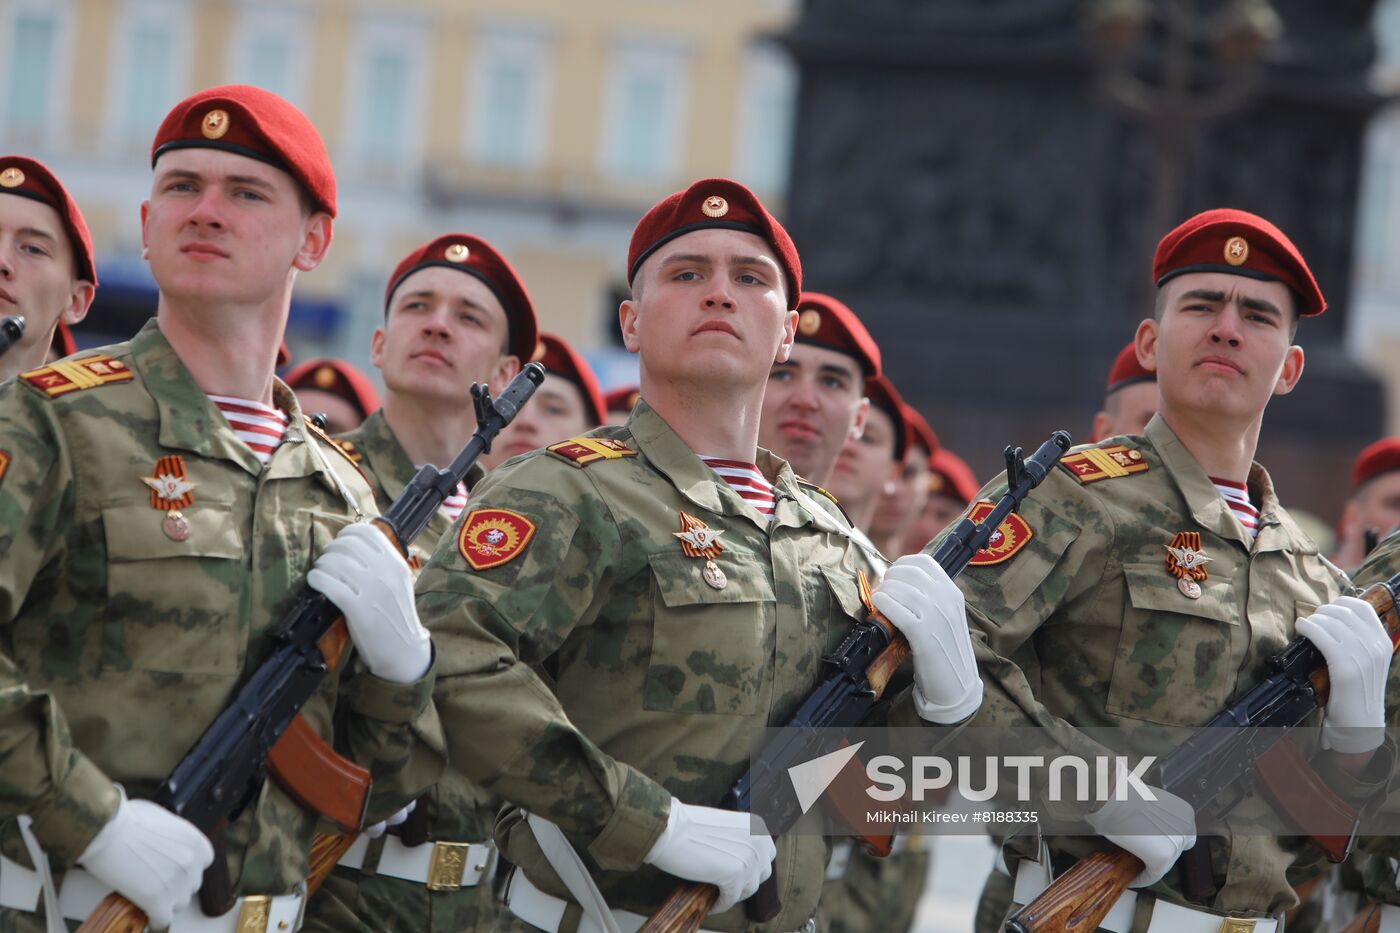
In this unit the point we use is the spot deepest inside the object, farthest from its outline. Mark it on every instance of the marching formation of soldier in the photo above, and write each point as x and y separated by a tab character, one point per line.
556	683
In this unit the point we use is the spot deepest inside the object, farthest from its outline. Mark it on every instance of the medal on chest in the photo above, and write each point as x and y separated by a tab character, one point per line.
700	540
171	491
1186	561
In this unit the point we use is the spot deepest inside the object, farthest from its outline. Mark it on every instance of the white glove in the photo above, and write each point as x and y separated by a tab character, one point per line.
368	579
375	830
1353	641
716	847
927	607
1156	831
151	857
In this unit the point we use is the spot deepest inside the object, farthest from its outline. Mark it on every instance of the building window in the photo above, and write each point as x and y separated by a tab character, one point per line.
269	51
511	97
151	63
386	103
766	119
32	101
646	104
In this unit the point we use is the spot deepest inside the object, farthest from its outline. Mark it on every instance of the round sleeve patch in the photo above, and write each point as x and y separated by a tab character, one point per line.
492	537
1010	536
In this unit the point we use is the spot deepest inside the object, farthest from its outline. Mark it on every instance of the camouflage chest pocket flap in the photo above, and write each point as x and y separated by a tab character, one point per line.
174	586
1174	662
711	647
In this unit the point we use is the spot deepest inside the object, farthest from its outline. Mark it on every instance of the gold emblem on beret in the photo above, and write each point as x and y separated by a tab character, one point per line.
539	352
809	322
215	124
458	252
1236	250
714	206
324	378
935	483
11	178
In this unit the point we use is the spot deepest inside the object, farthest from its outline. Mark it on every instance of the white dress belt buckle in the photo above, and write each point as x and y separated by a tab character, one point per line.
441	866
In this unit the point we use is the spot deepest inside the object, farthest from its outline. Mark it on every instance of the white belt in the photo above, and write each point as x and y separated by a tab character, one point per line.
545	911
81	893
1033	878
442	866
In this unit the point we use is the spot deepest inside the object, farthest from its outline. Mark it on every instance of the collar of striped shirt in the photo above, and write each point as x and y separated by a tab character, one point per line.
1236	496
260	426
746	479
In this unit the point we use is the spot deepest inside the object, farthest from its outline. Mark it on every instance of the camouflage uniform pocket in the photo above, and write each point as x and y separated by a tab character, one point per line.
1173	663
711	648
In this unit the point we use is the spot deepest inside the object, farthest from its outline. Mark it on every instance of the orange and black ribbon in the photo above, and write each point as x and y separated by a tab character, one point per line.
171	466
691	523
1190	541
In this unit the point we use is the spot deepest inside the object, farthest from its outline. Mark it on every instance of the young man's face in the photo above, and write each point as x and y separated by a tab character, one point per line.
709	307
222	228
812	404
445	330
1126	411
1223	346
556	412
1375	506
37	277
866	464
903	502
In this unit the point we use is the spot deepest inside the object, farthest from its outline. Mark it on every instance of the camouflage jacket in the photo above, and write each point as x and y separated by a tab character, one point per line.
459	811
590	673
1083	625
123	636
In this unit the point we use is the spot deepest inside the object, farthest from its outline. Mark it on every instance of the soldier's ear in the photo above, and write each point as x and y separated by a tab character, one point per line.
1291	372
627	319
858	426
789	335
79	301
376	348
506	370
1145	343
145	239
315	242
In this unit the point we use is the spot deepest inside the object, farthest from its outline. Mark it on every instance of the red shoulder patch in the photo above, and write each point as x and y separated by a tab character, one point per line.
66	376
1095	463
492	537
1010	536
581	451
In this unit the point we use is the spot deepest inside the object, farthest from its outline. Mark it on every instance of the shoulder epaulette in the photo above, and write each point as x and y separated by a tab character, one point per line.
1095	463
349	449
331	442
826	494
75	375
581	451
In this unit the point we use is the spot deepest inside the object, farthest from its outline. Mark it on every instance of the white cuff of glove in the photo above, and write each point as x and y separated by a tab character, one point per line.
1350	637
1156	831
714	846
952	713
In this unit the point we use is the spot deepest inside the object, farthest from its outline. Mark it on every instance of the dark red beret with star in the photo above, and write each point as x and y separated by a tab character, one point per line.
1237	243
337	377
884	396
479	259
714	203
1127	371
825	322
30	179
951	476
255	123
1381	457
560	359
623	400
919	430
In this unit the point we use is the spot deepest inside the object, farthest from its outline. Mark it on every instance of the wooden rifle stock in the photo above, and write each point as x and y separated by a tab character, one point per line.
1367	921
1080	898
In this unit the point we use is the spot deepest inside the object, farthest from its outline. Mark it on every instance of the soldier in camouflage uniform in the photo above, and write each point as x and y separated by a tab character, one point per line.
568	403
1096	609
46	270
151	541
621	616
455	313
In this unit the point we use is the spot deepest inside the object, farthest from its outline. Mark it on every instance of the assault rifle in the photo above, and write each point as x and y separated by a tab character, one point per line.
11	329
1244	739
261	729
860	670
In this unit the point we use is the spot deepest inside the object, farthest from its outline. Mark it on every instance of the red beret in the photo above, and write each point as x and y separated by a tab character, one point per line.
884	396
952	477
1127	370
337	377
714	202
1238	243
623	399
284	354
30	179
479	259
63	340
560	359
255	123
1381	457
920	431
825	322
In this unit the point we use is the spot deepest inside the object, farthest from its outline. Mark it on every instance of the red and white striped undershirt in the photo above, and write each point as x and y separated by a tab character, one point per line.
260	426
455	503
745	479
1237	498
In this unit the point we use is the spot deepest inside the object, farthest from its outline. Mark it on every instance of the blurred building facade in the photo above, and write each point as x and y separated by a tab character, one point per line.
546	126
